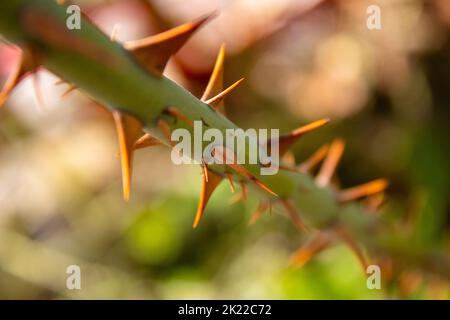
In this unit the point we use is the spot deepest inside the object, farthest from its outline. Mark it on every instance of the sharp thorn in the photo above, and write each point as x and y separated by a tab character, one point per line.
314	246
214	101
314	160
293	214
207	188
364	190
330	163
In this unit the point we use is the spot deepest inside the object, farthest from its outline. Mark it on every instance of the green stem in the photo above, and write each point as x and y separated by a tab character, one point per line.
103	69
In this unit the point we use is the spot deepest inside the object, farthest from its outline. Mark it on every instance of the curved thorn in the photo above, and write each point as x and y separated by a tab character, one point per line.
207	188
215	84
155	51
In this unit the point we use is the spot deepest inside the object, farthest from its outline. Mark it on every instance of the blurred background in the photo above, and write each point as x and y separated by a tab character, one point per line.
387	92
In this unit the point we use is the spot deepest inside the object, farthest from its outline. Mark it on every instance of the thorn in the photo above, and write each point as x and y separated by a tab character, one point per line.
313	247
214	101
23	67
114	32
263	186
289	158
59	82
230	181
69	90
374	202
165	129
286	140
242	196
262	207
244	190
154	51
146	141
128	131
293	214
314	160
205	171
290	169
215	83
174	112
346	236
330	163
364	190
38	92
207	188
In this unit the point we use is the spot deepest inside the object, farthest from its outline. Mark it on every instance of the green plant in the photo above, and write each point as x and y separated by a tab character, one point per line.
127	79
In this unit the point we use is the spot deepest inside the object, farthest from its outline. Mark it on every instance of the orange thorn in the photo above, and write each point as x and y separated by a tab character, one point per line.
205	171
286	140
314	160
330	163
263	186
289	158
207	188
215	84
154	51
214	101
24	65
293	214
146	141
128	131
316	245
363	190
